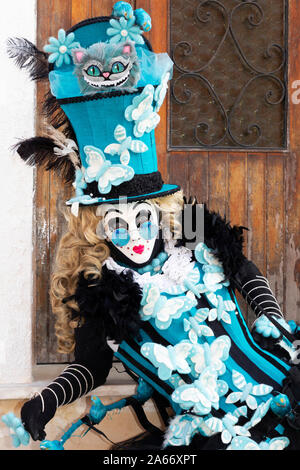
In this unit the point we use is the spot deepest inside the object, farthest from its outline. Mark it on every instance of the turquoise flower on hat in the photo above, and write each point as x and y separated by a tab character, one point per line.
60	49
123	30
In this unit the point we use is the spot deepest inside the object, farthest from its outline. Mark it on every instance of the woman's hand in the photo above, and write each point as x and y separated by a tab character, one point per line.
34	419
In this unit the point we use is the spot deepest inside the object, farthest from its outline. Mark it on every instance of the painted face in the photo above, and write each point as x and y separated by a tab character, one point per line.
132	228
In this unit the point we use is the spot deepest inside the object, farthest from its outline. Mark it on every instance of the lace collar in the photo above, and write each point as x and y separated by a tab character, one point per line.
176	269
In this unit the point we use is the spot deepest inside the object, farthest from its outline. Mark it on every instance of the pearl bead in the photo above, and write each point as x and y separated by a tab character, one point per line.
124	32
63	49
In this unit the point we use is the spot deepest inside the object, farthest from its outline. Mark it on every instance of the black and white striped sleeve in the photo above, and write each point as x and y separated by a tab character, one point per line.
74	382
93	361
256	290
89	370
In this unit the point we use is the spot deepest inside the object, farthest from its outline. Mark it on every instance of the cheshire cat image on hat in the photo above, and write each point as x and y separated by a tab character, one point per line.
106	89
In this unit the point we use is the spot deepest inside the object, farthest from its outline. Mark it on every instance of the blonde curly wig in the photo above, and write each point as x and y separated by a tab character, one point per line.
81	250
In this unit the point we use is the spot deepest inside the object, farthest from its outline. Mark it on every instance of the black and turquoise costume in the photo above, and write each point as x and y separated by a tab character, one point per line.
176	324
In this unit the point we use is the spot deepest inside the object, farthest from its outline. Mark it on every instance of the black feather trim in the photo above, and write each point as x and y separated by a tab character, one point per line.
27	56
225	240
113	301
56	116
39	151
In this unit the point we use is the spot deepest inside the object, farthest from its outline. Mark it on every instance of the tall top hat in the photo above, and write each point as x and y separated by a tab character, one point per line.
110	85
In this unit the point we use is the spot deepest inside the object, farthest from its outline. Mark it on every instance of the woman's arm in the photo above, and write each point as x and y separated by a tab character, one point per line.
256	290
270	329
89	370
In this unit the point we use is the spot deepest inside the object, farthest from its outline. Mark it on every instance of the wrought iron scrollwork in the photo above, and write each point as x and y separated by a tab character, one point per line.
186	55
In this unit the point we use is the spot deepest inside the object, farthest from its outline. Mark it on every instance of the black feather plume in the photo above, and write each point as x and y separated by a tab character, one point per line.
39	151
225	240
27	56
56	117
114	301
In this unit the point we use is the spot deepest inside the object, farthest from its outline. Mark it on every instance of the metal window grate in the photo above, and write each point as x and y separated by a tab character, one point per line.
230	74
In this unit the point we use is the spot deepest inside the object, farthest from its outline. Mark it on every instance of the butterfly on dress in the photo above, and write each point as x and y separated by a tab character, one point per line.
124	145
168	359
203	394
102	170
164	310
220	310
195	329
247	391
181	430
213	355
258	414
246	443
227	426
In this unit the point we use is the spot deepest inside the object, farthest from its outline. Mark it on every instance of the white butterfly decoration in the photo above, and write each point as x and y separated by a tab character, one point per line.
220	310
258	414
248	390
102	170
79	183
182	429
214	277
168	359
204	255
227	426
203	394
195	330
245	443
176	380
213	355
125	144
164	310
161	91
141	112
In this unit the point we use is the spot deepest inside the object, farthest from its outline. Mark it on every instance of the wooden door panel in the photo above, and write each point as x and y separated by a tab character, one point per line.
292	234
275	223
198	176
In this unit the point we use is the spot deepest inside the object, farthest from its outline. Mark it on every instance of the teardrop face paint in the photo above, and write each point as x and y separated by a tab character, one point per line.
132	228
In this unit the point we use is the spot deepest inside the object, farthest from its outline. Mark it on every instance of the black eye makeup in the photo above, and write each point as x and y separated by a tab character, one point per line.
143	216
117	222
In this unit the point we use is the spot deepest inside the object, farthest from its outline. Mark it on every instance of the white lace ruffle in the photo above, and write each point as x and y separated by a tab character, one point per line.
174	271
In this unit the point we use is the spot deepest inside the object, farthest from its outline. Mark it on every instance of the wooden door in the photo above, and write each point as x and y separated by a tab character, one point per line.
220	51
253	186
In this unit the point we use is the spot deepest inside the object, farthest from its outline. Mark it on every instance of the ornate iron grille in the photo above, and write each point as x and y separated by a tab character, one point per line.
230	73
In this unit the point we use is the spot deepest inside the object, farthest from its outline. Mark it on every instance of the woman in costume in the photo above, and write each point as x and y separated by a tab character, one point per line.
128	280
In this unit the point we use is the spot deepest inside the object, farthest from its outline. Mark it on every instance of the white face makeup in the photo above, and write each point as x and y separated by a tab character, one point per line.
132	228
